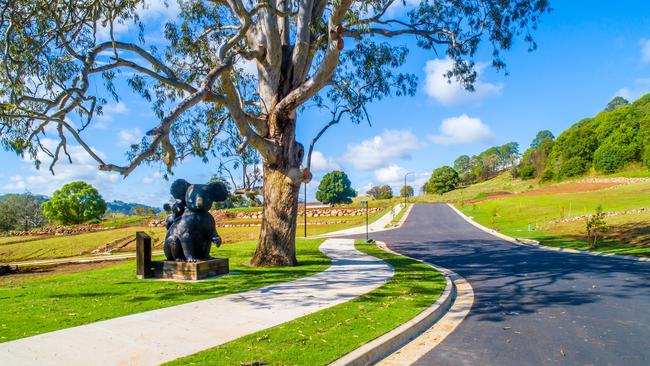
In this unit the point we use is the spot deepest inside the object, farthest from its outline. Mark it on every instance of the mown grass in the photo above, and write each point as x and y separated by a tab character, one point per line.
397	218
325	336
69	245
13	249
120	221
515	215
501	183
30	307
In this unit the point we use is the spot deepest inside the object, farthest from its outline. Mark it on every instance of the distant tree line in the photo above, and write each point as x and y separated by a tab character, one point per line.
486	165
21	212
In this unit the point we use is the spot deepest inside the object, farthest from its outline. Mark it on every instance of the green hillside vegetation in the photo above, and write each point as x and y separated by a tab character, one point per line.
615	138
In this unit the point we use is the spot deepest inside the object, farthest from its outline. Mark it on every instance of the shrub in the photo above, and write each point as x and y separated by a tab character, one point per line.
573	167
610	158
527	171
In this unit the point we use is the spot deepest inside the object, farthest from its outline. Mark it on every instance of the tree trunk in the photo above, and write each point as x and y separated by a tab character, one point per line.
277	241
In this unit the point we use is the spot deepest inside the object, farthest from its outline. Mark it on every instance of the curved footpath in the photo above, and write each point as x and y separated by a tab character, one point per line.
531	306
157	336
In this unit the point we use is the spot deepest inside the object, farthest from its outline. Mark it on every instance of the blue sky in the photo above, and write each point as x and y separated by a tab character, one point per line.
588	52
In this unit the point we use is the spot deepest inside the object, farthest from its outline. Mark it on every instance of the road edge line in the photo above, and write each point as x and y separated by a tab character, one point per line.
401	337
536	244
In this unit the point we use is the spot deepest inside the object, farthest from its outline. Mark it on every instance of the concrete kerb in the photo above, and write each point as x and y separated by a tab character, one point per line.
387	344
536	244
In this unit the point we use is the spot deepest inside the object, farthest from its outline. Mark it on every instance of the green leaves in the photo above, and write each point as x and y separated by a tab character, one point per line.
335	187
75	203
443	179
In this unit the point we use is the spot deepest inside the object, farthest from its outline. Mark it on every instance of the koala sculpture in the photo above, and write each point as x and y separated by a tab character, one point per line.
190	227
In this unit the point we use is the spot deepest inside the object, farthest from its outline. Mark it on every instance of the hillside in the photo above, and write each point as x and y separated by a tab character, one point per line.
613	140
129	208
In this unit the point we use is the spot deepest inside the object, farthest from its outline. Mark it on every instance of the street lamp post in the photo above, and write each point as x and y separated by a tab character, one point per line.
405	191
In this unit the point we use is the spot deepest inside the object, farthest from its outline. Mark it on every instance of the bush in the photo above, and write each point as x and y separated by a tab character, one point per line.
527	171
573	167
610	158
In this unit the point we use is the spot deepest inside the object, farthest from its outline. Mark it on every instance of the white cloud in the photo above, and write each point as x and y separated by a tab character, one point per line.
448	92
321	163
645	50
391	174
110	110
639	88
83	167
147	180
248	66
381	149
462	130
129	137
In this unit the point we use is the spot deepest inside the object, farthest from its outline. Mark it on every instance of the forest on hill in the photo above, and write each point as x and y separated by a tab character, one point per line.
607	143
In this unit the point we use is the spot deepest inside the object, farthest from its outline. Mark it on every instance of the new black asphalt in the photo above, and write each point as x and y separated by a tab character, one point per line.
531	306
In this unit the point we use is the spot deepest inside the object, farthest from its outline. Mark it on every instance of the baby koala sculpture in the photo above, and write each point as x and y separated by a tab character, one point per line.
190	227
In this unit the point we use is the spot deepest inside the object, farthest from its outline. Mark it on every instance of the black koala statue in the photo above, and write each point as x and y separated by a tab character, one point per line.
178	190
190	227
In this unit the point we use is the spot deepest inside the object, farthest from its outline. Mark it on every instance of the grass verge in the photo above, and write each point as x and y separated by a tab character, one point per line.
43	305
532	217
397	218
70	245
322	337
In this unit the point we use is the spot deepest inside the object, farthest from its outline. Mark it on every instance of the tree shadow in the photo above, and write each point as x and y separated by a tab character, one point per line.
512	280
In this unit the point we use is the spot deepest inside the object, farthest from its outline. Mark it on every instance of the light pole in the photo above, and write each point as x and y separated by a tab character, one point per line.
305	209
405	191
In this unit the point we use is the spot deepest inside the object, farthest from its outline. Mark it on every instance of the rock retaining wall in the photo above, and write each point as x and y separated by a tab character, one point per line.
607	214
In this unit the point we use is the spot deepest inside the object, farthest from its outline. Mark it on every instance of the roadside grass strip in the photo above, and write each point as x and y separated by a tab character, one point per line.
41	305
324	336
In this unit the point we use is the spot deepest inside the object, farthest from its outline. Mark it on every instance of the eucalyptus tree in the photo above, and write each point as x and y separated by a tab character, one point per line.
59	56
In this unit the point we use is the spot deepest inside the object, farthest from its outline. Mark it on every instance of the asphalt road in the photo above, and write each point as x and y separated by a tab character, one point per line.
532	306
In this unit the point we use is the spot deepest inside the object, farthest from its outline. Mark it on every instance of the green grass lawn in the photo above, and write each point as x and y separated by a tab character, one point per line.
68	245
322	337
351	221
120	221
513	215
16	239
39	305
396	219
24	248
501	183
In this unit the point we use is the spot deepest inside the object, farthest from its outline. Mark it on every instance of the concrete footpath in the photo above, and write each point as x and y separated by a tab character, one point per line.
157	336
377	226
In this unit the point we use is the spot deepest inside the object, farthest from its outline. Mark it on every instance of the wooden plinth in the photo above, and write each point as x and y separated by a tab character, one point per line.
190	271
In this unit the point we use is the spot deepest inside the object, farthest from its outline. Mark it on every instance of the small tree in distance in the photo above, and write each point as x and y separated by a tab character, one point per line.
596	227
75	203
443	179
335	188
380	192
406	191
